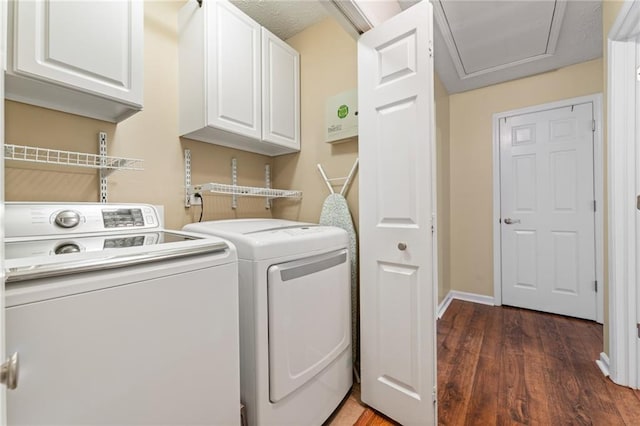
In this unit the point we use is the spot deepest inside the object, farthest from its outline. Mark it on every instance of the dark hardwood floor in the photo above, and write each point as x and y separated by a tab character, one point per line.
505	366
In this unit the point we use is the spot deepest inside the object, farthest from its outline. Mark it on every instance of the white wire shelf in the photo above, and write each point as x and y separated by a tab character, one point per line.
69	158
247	191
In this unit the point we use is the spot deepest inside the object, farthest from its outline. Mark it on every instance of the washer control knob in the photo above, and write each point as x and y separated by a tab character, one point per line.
65	248
67	219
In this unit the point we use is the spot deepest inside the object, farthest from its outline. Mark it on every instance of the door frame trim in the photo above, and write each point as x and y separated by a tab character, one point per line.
622	136
598	175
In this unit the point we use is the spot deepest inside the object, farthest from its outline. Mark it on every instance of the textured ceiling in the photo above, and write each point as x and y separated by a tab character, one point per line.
579	40
284	18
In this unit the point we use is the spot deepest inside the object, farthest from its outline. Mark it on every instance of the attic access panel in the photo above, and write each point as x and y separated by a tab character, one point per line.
486	36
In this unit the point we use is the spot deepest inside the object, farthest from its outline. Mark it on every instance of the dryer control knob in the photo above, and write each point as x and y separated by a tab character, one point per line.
67	219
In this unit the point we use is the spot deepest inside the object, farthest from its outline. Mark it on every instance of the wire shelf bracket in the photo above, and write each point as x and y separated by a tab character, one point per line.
104	163
234	189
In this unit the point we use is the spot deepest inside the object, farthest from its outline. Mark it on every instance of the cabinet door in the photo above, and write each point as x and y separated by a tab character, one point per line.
95	47
233	80
280	92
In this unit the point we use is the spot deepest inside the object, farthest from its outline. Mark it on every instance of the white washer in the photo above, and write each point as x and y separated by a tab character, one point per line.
117	321
295	318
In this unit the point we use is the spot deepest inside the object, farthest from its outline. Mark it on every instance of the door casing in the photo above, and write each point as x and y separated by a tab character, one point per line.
598	174
623	149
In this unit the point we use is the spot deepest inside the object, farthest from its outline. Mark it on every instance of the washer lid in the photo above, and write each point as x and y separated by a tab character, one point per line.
258	239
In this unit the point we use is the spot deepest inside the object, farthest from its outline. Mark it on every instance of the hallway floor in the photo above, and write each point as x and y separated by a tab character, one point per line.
502	365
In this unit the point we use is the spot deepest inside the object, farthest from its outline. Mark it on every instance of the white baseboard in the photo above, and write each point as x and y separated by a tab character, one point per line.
472	297
603	364
467	297
442	307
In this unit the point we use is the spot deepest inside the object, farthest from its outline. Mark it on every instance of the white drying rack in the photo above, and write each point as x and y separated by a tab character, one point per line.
336	181
234	189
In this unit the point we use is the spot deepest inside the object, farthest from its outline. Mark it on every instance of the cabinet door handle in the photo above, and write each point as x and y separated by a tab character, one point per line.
402	246
510	221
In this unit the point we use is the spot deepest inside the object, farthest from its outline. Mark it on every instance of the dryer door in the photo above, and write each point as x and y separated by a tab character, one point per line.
309	319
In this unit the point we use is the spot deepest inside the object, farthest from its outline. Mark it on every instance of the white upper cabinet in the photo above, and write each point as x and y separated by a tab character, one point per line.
239	84
85	58
280	92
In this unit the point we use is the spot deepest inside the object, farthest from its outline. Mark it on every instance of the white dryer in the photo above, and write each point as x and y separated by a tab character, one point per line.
295	318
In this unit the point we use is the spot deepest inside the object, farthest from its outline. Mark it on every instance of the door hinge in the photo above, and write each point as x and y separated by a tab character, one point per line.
434	393
595	285
594	205
433	223
593	125
639	330
638	73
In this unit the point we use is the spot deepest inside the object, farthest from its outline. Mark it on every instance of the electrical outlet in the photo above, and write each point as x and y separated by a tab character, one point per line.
195	201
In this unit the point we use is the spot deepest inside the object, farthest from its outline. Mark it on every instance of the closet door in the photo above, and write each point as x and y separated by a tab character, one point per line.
280	92
3	52
397	202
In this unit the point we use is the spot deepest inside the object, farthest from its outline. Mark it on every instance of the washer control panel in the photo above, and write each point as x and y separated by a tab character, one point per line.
120	218
53	219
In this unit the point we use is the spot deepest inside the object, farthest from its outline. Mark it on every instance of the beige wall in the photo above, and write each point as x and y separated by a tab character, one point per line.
443	195
328	66
471	162
151	135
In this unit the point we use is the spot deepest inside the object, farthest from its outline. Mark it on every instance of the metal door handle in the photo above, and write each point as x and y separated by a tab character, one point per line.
510	221
9	372
402	246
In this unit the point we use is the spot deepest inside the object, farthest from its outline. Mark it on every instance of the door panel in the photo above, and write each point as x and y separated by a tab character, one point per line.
394	165
547	175
526	259
397	290
398	364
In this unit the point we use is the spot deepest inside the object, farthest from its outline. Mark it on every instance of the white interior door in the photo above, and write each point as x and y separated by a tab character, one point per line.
637	124
3	63
548	211
397	290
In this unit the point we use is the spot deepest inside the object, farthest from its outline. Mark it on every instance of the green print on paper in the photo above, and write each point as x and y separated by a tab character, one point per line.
343	111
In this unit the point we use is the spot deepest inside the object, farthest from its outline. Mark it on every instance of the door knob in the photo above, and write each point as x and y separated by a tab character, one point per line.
9	372
510	221
402	246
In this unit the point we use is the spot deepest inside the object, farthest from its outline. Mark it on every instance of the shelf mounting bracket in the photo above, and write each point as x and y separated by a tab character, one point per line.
102	150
